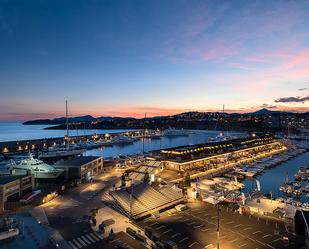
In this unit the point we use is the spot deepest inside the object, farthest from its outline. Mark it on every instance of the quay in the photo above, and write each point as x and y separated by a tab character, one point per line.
19	146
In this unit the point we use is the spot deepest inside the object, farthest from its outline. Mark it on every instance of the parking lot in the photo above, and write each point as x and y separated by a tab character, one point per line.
196	228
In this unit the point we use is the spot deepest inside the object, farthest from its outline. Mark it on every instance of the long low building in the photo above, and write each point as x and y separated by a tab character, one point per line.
146	199
13	187
201	155
82	168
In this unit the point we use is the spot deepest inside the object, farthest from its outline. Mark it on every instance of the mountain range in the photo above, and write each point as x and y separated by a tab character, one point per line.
89	118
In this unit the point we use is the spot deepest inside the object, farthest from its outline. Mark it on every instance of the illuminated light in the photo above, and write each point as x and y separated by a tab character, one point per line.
5	150
152	177
19	148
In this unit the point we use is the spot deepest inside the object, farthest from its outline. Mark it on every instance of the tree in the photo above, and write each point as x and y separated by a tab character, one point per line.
123	179
146	177
187	181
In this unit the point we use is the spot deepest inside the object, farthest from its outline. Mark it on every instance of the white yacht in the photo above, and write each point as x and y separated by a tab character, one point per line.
37	168
119	140
61	152
174	133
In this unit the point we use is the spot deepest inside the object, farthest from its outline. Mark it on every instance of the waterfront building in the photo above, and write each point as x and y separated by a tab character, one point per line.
82	168
212	155
13	187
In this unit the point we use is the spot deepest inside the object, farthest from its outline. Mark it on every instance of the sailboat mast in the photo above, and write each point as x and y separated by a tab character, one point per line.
144	133
223	120
67	117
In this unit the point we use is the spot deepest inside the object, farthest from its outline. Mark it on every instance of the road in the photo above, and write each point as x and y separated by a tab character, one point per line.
196	228
68	213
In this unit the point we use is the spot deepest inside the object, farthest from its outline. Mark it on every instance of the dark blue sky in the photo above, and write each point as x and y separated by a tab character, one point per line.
128	57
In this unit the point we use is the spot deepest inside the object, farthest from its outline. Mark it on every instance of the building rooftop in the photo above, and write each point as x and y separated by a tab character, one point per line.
78	161
192	152
4	179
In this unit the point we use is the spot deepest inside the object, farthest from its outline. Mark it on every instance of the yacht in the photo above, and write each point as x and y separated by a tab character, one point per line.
61	152
8	228
174	133
68	150
119	140
38	168
221	138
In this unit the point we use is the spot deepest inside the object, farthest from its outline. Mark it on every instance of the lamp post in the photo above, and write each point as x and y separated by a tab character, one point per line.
218	227
131	197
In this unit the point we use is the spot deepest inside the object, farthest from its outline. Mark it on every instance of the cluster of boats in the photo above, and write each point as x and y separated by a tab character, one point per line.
258	166
302	174
299	186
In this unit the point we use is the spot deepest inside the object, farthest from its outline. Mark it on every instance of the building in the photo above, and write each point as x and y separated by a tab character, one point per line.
211	155
82	168
13	187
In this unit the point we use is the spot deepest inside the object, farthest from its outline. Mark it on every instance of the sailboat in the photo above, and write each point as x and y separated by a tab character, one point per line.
68	150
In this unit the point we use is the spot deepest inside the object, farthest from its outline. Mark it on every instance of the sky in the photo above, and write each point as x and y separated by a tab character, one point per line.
125	58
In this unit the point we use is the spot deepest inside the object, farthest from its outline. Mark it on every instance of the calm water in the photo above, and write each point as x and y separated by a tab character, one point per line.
11	131
272	179
155	144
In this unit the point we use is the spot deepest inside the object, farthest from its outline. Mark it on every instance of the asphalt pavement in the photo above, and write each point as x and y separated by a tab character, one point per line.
197	228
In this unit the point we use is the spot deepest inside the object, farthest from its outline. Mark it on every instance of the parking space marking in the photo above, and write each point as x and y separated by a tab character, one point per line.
182	240
247	228
194	243
239	225
271	246
260	242
267	235
169	230
275	240
205	229
174	235
230	222
158	228
233	240
242	245
257	232
199	226
153	224
115	240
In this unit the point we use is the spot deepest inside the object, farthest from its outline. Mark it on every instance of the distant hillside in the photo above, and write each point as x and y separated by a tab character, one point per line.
62	120
265	111
188	116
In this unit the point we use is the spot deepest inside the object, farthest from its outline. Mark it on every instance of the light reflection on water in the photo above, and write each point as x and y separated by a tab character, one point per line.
272	179
154	144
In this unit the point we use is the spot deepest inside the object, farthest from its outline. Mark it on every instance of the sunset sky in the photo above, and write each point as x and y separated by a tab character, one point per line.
125	58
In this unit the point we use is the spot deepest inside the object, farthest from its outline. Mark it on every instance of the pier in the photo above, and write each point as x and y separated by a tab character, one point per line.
21	146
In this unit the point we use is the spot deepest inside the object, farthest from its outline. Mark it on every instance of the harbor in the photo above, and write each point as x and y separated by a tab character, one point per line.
169	171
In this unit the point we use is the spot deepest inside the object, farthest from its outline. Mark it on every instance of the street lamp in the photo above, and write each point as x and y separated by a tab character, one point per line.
131	197
218	226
